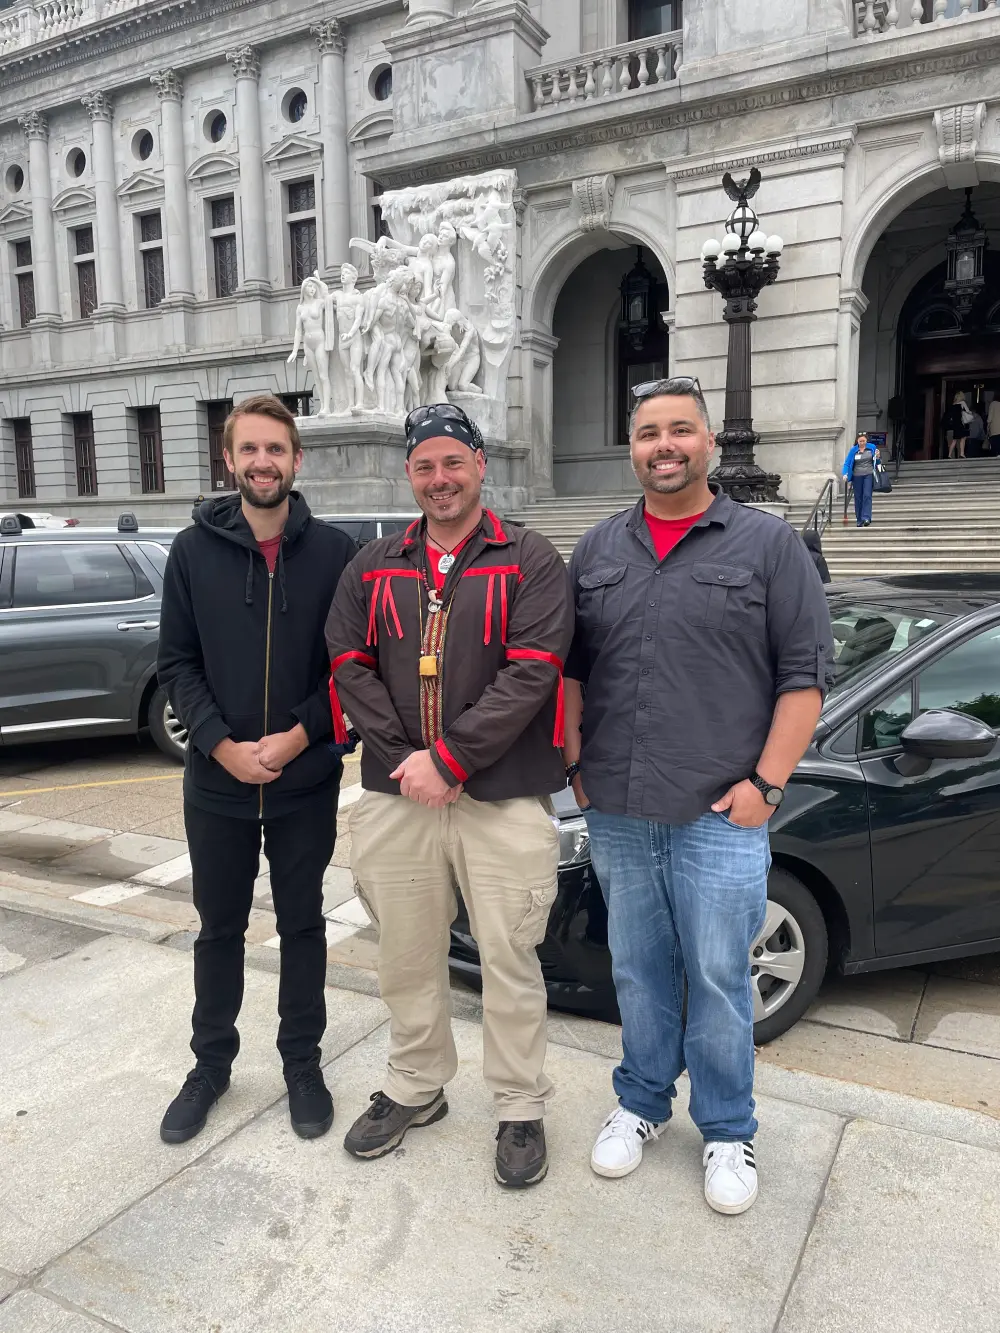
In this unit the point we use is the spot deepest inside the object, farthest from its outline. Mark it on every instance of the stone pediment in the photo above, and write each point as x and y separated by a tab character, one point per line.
14	214
77	196
293	148
376	125
141	183
213	167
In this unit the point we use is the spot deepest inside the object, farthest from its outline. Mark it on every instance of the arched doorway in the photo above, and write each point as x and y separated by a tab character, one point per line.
607	343
917	348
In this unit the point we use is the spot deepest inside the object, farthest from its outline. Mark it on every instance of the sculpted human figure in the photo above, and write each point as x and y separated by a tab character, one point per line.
311	338
463	365
444	272
386	342
409	353
485	232
347	307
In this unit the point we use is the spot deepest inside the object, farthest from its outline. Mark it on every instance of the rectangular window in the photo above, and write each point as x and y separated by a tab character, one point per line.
72	574
84	237
651	18
83	440
299	404
222	233
150	449
86	271
25	282
303	252
222	478
151	249
24	457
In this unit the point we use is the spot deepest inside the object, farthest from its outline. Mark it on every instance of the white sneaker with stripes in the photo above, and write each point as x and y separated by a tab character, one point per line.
618	1149
730	1176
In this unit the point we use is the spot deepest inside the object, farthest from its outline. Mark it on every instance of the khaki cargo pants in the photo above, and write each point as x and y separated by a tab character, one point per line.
407	860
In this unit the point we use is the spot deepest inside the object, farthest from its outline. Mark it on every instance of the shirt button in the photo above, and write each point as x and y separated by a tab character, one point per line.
642	705
656	571
652	603
649	636
639	740
645	670
722	578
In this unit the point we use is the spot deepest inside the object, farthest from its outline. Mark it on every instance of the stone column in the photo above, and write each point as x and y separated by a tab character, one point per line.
170	91
430	11
332	41
109	268
853	304
43	232
246	66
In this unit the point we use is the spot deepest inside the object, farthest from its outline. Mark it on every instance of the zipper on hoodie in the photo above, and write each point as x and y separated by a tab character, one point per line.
267	677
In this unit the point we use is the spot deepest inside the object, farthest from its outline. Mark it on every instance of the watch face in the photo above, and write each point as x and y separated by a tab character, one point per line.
774	796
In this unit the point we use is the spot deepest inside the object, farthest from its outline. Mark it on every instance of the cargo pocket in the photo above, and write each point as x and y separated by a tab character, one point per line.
599	595
530	930
717	596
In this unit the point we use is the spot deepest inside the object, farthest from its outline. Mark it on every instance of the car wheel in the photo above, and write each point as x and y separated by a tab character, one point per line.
165	726
788	957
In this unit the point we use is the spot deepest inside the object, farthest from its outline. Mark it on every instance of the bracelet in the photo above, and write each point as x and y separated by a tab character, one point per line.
572	770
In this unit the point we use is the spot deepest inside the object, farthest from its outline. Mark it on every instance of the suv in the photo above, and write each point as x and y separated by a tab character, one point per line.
365	528
79	623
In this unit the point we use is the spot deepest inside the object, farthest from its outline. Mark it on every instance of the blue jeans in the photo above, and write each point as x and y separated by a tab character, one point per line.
863	487
684	900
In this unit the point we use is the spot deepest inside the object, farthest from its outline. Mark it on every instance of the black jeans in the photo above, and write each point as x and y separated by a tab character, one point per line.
225	860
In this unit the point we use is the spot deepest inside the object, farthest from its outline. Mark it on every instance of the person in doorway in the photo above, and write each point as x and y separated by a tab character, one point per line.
703	642
242	657
859	469
957	421
447	644
993	426
976	439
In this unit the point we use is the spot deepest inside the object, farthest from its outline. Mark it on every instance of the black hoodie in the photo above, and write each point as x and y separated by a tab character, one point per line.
242	653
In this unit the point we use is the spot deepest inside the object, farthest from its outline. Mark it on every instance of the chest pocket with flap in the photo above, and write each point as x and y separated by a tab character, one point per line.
720	597
599	598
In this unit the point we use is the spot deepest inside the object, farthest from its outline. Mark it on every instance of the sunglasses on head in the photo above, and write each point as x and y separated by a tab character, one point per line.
678	384
446	411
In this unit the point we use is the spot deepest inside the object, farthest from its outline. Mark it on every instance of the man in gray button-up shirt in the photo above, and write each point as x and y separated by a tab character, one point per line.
704	648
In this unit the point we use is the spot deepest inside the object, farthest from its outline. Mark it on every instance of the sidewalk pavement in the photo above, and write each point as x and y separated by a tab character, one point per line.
877	1210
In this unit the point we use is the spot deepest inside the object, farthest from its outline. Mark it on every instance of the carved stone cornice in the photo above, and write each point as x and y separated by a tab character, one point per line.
787	153
34	125
169	85
331	37
536	131
595	195
245	61
99	106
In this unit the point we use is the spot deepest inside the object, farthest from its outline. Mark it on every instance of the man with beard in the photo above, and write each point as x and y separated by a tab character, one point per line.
242	656
446	645
704	647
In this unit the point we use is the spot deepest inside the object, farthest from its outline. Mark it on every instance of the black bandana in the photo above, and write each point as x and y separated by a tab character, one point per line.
434	425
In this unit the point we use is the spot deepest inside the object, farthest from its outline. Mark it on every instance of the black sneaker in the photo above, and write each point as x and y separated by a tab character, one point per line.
187	1113
521	1157
383	1125
309	1102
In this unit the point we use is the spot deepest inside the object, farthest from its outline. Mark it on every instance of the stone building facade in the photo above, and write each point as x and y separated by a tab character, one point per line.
170	172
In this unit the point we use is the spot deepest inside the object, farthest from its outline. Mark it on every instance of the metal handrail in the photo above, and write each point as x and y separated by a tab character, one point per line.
823	508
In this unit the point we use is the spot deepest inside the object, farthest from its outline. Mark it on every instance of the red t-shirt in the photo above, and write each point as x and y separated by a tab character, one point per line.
269	550
667	532
434	555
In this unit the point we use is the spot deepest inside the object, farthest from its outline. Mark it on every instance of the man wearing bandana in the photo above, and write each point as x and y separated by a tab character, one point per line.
447	644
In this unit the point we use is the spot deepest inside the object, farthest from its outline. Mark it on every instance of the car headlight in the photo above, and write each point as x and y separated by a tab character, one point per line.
574	842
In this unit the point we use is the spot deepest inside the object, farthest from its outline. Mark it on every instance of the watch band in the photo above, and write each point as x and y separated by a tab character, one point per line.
771	792
572	770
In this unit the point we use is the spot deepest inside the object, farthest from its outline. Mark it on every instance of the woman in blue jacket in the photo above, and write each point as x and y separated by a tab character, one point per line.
859	469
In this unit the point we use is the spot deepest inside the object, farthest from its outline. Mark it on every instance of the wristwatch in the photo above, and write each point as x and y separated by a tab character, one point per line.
572	770
772	795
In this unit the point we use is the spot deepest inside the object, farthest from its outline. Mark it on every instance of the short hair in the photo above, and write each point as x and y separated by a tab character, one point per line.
669	388
261	405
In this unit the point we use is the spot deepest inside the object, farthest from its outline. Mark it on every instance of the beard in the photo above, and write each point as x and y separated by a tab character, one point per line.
272	501
669	483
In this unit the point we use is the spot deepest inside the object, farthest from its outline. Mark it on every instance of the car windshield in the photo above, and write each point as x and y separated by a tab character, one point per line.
866	638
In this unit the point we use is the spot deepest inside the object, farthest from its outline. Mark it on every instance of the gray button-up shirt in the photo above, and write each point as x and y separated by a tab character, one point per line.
683	659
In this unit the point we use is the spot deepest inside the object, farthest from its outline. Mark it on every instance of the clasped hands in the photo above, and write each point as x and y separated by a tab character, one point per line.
419	779
258	762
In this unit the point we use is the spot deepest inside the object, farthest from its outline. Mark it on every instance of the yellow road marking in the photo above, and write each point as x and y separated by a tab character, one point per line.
80	786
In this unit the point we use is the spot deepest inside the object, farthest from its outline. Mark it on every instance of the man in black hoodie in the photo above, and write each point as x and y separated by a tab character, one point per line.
242	656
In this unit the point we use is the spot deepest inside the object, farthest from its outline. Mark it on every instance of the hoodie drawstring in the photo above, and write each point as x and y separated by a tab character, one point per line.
249	590
281	575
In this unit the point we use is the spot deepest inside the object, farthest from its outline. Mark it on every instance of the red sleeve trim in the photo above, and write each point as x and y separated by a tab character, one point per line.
354	656
534	655
454	767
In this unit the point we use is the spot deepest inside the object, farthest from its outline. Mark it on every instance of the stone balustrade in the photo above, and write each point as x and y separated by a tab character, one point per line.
876	17
44	20
619	71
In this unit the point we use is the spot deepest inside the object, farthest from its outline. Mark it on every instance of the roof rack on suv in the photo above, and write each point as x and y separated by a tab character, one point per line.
10	525
128	523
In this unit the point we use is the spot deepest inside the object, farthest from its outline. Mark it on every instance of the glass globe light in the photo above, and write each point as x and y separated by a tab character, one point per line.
711	250
774	245
730	243
756	241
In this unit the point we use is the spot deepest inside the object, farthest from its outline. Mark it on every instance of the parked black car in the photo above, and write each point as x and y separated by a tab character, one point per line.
79	622
365	528
886	850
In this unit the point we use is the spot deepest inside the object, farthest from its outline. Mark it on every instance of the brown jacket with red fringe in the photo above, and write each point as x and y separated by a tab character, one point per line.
478	683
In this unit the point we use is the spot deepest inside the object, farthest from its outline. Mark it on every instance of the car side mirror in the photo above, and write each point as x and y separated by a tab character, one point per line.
945	733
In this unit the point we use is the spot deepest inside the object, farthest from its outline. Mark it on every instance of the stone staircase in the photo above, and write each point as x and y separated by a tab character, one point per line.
942	515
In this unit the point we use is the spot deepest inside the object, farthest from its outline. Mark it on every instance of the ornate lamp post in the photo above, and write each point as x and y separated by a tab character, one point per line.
739	267
966	247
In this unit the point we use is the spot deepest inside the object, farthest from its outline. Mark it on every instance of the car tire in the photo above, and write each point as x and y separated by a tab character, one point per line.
164	726
794	941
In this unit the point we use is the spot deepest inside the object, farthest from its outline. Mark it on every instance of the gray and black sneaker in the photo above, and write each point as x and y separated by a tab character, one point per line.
521	1156
383	1125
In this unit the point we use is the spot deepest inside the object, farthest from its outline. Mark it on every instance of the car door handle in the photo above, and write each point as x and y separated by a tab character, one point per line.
138	624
